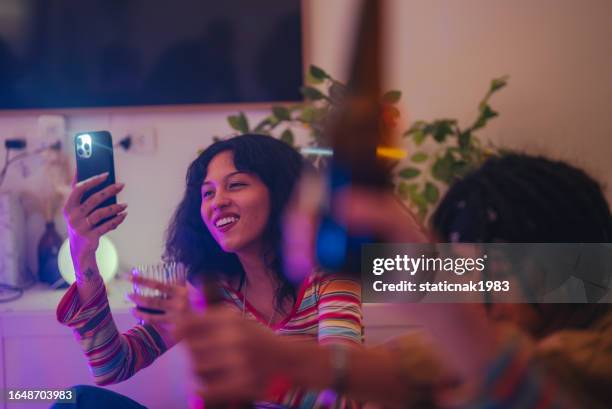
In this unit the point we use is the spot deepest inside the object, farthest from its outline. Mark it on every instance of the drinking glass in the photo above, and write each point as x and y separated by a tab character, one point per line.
166	273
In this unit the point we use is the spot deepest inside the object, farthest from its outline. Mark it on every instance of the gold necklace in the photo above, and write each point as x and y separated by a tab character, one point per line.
244	307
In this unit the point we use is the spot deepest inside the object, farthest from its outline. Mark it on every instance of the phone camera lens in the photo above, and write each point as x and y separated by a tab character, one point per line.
86	146
80	152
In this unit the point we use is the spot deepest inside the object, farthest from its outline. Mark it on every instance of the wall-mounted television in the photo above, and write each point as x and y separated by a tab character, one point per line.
114	53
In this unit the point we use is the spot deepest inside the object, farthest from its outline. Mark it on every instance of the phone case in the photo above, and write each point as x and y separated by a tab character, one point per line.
94	155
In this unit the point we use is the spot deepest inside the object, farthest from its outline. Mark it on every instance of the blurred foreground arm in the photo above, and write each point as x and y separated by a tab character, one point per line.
241	360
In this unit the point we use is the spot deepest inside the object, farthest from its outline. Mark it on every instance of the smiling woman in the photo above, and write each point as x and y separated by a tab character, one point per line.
236	201
229	220
227	229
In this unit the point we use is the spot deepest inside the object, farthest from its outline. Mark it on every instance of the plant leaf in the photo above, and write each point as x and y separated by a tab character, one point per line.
417	132
409	191
464	139
392	97
420	202
262	125
308	115
459	169
419	157
312	93
312	80
318	73
287	137
431	193
441	129
498	83
281	113
239	122
234	122
403	190
486	113
441	169
416	127
409	173
418	137
244	121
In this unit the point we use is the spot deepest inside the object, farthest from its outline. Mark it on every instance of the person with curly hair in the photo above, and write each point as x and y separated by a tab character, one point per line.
226	229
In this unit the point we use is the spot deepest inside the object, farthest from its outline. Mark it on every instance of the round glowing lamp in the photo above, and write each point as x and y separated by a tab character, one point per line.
106	258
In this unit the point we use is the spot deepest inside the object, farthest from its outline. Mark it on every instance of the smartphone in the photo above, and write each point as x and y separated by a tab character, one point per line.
94	155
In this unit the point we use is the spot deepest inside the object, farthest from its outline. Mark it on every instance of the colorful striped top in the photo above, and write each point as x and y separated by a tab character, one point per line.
571	368
516	381
327	310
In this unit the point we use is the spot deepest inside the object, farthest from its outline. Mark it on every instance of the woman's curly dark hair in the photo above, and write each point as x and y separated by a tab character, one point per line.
188	240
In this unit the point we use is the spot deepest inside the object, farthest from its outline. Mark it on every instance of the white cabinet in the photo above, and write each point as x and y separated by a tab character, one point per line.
39	353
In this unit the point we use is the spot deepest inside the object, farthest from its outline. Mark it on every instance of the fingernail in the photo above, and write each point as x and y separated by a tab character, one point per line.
123	205
103	175
120	185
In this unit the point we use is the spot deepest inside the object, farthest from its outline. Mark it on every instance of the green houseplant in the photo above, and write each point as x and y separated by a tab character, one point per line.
452	151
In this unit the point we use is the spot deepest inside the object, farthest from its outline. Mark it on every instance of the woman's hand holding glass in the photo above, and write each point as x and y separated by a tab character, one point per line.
162	295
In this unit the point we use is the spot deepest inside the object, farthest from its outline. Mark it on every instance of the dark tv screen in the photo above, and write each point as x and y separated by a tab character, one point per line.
107	53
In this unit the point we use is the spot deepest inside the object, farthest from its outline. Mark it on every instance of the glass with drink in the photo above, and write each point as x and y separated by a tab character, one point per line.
167	273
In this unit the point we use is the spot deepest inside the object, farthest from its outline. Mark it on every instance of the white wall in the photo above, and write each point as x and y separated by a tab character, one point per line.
442	54
154	183
557	53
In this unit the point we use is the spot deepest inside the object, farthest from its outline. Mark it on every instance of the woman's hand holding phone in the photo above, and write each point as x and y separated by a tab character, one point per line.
81	218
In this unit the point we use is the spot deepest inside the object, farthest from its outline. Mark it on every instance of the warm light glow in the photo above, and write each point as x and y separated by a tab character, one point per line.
383	151
390	152
106	258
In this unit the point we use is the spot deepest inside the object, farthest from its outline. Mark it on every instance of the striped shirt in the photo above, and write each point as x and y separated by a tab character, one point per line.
327	310
571	368
516	381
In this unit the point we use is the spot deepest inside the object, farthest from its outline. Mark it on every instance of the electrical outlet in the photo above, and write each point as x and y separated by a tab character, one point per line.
143	140
15	143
